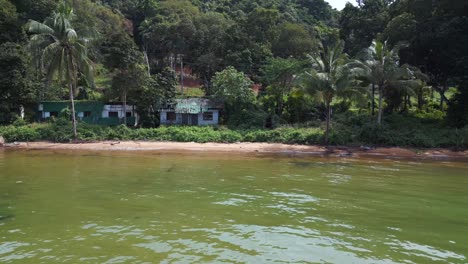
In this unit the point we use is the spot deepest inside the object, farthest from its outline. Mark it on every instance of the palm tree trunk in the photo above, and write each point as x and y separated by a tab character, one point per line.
379	117
75	134
327	131
373	99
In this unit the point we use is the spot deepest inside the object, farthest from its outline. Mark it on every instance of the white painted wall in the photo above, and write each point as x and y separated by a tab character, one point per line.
164	121
117	108
213	122
178	121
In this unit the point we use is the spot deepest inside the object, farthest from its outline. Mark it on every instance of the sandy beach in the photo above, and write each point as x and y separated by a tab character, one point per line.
240	148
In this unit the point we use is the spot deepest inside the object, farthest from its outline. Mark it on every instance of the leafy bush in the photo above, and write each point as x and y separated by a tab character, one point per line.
430	114
347	129
21	133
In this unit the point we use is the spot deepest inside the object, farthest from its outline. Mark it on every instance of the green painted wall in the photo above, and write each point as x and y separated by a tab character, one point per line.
94	107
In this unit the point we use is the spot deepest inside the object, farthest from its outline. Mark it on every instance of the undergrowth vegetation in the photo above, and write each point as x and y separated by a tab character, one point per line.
348	129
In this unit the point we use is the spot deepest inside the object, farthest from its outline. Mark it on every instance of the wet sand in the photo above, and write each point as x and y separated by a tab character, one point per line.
241	148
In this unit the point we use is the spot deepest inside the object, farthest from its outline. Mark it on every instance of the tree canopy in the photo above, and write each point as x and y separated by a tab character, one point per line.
144	49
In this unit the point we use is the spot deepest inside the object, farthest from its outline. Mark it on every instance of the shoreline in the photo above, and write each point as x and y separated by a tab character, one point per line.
260	148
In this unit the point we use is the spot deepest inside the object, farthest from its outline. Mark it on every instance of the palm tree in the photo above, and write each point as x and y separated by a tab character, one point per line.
368	72
64	52
331	75
381	67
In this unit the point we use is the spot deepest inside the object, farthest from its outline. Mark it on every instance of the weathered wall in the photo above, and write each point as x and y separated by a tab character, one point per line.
163	120
117	108
99	112
215	120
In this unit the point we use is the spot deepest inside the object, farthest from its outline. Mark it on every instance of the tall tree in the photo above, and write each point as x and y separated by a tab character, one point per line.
360	24
123	57
10	27
279	74
382	68
15	88
330	76
157	91
129	80
64	50
234	89
293	41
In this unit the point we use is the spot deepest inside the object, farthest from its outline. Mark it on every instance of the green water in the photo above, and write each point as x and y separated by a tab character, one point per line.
85	207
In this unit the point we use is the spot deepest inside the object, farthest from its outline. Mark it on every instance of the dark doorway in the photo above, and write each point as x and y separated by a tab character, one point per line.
194	120
185	119
190	119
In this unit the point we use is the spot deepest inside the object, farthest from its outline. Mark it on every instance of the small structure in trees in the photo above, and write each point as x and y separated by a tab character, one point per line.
91	112
190	111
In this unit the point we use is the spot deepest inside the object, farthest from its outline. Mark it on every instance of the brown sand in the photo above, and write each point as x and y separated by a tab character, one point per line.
240	148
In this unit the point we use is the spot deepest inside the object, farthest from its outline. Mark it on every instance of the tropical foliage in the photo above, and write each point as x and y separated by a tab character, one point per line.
62	51
330	76
307	63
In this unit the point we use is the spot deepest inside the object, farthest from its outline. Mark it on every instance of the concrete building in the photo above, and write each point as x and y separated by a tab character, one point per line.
191	111
91	112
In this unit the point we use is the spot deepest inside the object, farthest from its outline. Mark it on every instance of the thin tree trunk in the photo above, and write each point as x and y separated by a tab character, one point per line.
71	78
442	98
373	99
279	109
405	103
124	97
441	105
182	75
75	134
442	91
420	99
21	111
327	131
207	85
145	53
379	117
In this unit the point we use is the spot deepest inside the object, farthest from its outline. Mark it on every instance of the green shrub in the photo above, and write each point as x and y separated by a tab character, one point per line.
347	129
430	114
229	136
22	133
19	122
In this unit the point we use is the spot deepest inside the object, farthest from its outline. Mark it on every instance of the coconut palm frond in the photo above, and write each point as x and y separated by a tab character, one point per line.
71	35
53	67
63	51
39	28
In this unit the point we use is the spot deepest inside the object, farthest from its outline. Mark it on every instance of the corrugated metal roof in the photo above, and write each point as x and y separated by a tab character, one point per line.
193	105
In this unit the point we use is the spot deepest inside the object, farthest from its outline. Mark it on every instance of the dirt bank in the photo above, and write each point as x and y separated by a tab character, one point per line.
241	148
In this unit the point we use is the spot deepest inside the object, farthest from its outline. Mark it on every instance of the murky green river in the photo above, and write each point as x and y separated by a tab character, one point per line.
87	207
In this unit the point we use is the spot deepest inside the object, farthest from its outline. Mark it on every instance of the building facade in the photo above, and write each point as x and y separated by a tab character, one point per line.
191	111
91	112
